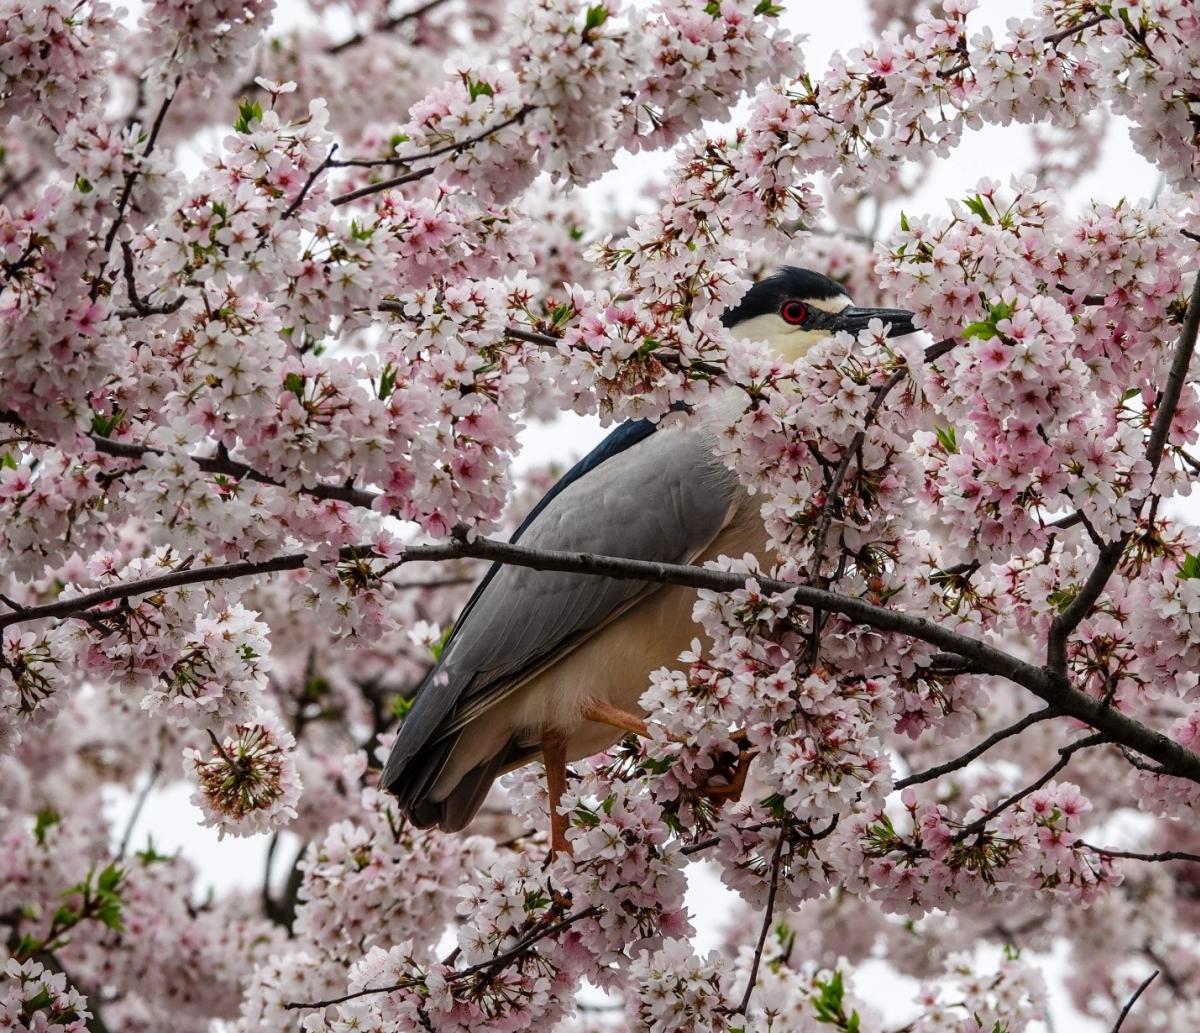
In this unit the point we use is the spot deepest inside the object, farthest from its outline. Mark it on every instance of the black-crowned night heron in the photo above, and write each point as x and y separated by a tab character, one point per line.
552	663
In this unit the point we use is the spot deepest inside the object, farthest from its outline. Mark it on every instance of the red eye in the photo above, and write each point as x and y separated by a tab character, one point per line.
793	312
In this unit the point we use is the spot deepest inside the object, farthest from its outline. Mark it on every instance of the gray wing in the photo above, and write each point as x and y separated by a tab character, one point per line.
665	499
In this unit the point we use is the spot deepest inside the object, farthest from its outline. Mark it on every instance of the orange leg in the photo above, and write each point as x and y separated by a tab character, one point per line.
554	757
607	714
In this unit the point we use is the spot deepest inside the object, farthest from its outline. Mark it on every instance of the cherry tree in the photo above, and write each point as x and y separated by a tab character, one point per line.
275	306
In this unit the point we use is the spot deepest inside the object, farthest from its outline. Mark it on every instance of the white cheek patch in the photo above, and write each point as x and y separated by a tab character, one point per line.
787	341
835	304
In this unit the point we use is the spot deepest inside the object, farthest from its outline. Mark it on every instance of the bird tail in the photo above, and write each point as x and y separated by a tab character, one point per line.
413	783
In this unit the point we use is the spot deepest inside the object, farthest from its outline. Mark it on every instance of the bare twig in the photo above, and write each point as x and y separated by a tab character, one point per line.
449	148
139	307
1133	855
308	184
1133	1000
768	918
386	184
977	751
143	795
131	178
388	25
1064	758
490	966
410	177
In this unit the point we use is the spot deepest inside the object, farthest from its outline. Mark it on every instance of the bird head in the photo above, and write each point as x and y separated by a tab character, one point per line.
793	309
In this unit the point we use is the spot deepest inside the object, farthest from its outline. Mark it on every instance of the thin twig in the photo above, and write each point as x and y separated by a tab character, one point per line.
977	751
1064	758
308	183
142	796
408	159
491	965
388	25
768	919
1133	1000
131	178
386	184
1133	855
411	177
1053	40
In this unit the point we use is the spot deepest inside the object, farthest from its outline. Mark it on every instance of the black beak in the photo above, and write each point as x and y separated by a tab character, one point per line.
855	319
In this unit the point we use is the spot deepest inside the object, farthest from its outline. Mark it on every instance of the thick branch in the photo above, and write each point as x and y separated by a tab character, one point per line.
1043	683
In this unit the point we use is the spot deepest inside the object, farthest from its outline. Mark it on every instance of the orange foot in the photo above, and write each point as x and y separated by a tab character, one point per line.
731	769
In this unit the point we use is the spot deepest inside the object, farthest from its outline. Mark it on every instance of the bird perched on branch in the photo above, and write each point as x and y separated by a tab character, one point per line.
552	663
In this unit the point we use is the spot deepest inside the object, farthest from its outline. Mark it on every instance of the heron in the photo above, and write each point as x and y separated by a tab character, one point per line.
553	664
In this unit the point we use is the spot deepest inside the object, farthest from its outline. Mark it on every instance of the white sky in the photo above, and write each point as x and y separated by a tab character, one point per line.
997	153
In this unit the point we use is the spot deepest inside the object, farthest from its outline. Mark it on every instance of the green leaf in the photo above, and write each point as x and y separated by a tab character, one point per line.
46	819
977	205
984	331
401	705
36	1003
7	460
440	645
109	878
478	89
397	139
596	16
712	8
1062	598
103	426
769	9
358	232
576	233
294	382
83	186
948	438
150	855
387	382
904	222
1189	568
248	111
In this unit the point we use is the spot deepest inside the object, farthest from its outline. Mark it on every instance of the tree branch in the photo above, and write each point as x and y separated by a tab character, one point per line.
388	25
1045	714
1110	555
1132	855
1055	690
768	918
1053	40
410	177
491	965
131	178
1064	758
1133	1000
